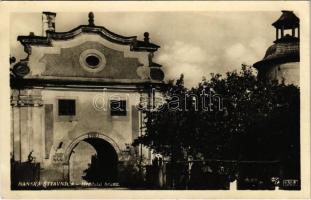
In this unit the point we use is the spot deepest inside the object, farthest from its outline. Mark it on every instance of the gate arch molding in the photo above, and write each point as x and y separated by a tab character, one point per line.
94	135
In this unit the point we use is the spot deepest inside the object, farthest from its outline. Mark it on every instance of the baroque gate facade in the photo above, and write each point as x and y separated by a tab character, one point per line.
82	85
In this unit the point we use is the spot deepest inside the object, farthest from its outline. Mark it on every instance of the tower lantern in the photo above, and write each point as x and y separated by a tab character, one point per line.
287	21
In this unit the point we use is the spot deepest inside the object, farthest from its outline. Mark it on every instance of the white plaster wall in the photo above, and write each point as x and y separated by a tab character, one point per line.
288	71
91	119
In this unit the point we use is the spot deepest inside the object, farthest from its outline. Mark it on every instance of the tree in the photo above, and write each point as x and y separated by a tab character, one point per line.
236	117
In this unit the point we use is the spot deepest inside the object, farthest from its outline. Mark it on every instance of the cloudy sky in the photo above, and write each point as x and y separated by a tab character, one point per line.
193	43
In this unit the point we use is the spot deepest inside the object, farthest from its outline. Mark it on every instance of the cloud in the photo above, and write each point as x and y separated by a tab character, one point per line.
236	51
184	58
259	46
195	61
247	53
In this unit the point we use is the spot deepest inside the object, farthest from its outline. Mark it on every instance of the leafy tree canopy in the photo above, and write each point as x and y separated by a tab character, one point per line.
234	117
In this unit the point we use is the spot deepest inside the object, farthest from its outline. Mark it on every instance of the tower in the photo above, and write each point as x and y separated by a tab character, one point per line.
281	61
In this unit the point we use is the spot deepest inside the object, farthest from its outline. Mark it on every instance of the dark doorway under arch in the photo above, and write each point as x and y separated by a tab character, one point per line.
103	167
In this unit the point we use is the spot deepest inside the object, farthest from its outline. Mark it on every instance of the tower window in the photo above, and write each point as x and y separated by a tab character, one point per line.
118	108
66	107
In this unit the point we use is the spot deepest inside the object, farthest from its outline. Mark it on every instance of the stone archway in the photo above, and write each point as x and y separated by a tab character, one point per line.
104	164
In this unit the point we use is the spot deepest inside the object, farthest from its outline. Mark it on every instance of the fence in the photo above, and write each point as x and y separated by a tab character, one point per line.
213	174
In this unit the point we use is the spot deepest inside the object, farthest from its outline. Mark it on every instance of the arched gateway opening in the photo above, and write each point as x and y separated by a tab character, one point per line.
92	158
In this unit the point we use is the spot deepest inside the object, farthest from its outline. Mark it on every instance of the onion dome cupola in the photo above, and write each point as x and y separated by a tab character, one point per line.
281	61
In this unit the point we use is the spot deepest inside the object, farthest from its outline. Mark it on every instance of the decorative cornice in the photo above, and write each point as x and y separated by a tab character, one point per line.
102	31
287	39
135	44
26	101
74	82
21	68
263	64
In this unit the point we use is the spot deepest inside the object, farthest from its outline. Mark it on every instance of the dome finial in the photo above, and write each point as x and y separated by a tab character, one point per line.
146	37
91	19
